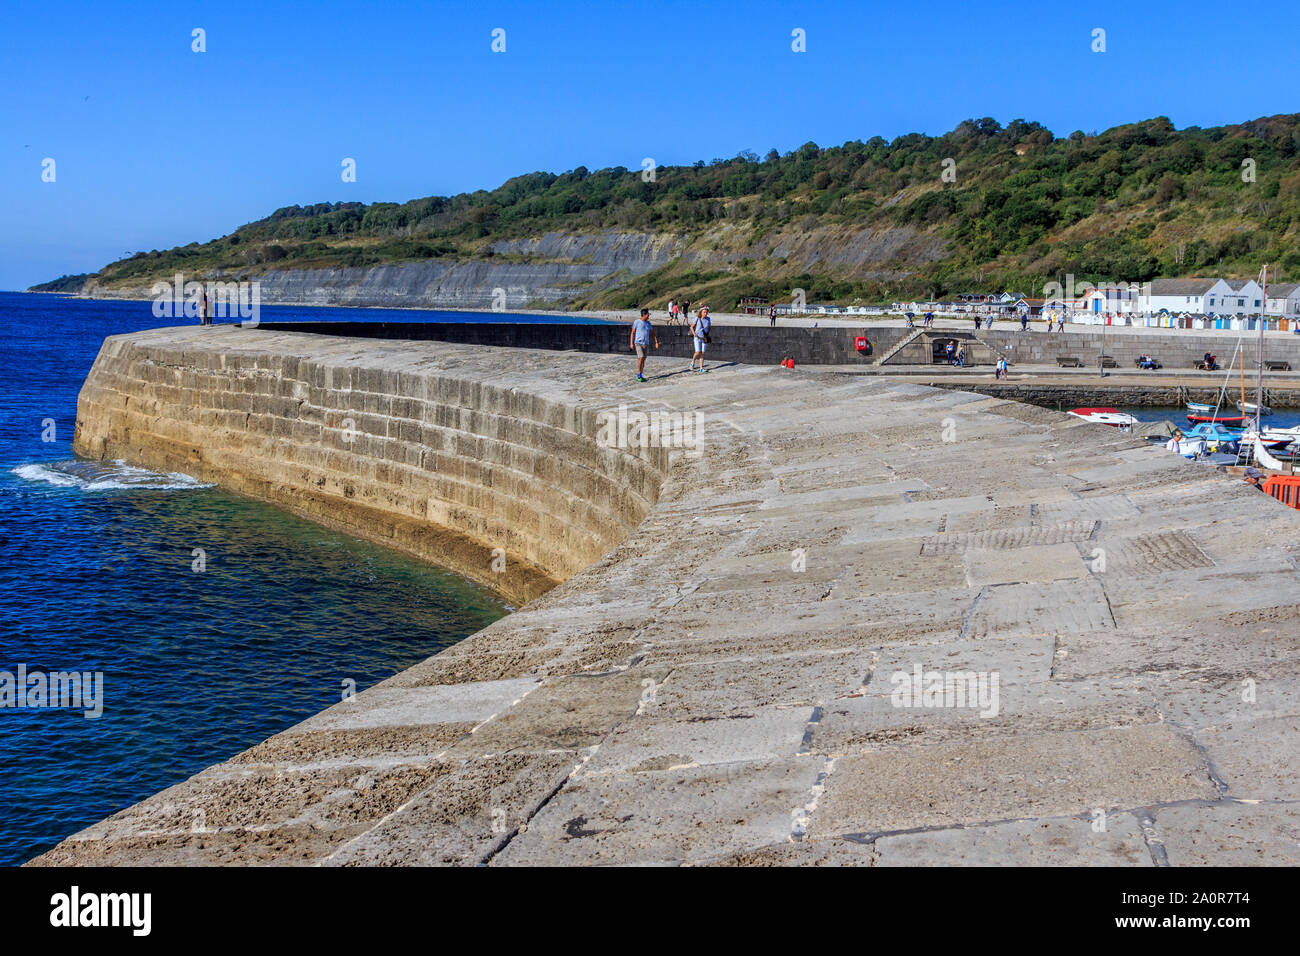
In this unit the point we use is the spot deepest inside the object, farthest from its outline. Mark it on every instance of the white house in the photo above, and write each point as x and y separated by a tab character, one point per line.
1242	297
1184	295
1283	300
1112	298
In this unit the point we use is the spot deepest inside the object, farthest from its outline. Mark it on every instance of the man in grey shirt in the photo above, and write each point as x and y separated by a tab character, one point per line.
642	334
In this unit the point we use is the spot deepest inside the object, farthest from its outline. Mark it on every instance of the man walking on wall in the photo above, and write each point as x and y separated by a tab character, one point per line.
642	334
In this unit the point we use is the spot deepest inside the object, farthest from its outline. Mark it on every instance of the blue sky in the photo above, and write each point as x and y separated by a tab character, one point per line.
156	145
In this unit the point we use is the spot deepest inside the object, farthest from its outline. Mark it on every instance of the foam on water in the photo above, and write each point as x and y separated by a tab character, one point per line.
106	476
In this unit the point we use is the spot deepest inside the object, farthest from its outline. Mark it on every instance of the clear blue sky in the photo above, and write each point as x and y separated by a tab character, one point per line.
157	146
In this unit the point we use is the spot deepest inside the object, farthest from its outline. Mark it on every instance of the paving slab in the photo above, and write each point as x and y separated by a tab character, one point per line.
1051	774
1231	834
1022	843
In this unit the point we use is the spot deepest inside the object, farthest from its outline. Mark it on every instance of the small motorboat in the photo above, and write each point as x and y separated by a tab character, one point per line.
1250	408
1274	439
1232	421
1200	408
1218	458
1105	416
1214	435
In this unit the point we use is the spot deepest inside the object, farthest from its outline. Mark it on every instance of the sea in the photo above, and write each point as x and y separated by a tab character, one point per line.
207	621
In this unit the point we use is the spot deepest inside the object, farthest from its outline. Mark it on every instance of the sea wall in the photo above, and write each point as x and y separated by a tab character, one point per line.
827	345
1173	348
1092	391
448	469
758	345
723	684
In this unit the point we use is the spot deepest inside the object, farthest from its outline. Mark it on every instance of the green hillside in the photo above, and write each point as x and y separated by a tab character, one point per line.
1128	204
72	283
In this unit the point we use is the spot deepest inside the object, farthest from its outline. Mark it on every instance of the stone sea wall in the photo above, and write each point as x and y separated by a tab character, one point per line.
448	469
719	680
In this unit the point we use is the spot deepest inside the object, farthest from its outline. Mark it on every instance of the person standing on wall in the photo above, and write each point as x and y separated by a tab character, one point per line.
700	330
639	341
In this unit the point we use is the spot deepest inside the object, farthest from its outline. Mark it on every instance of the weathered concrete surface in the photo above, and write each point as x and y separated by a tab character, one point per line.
717	688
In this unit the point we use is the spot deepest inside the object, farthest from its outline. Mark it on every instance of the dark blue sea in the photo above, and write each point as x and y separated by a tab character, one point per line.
98	574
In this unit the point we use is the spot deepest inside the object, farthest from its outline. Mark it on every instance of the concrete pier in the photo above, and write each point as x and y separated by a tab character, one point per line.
861	622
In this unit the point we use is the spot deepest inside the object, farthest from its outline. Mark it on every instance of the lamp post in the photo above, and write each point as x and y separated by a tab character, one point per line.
1101	358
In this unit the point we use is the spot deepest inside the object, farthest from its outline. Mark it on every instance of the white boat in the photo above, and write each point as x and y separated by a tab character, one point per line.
1105	416
1250	408
1273	435
1264	459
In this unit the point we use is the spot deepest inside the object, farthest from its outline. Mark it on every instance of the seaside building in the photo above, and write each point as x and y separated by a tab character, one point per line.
1112	298
1182	295
1283	300
1244	297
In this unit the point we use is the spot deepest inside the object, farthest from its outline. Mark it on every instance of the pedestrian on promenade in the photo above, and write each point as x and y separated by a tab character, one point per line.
977	323
1024	321
685	310
700	331
672	312
642	334
961	356
772	316
948	350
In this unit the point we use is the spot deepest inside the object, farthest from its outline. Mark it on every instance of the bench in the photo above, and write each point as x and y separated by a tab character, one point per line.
1278	366
1069	361
1108	361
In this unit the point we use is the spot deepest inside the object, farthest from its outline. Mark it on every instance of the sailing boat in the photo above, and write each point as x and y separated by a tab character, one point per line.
1258	408
1250	408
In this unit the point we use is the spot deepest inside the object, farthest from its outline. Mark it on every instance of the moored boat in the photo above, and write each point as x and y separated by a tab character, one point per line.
1105	416
1232	421
1250	408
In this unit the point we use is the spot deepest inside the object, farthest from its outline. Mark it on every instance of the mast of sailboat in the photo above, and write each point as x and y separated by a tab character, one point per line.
1259	392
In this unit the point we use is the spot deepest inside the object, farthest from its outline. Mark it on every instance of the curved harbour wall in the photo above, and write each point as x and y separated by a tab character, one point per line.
505	486
722	684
